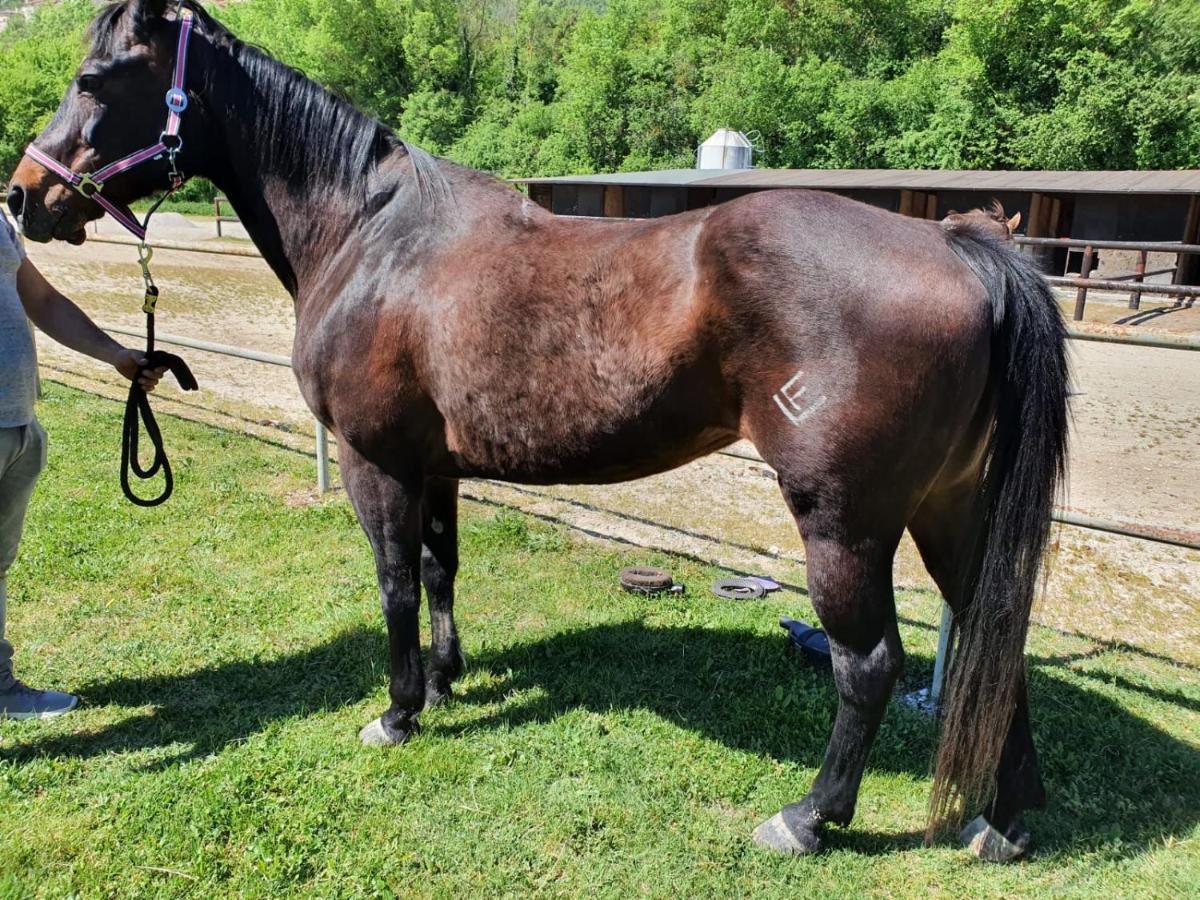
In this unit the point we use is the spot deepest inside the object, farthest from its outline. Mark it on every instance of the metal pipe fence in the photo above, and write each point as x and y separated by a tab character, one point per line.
1080	243
926	700
1106	334
1133	283
218	202
270	359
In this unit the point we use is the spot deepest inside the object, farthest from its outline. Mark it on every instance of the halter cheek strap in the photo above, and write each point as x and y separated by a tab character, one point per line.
91	184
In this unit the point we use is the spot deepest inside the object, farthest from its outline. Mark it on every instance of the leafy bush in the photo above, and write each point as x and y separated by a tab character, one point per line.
542	87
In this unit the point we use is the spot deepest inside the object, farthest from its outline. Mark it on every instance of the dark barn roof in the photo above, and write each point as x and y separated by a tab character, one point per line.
1184	181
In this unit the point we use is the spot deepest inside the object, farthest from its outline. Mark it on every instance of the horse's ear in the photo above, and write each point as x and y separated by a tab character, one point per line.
1014	223
145	10
143	14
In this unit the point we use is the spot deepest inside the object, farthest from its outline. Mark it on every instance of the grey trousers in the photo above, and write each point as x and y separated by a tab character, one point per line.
22	458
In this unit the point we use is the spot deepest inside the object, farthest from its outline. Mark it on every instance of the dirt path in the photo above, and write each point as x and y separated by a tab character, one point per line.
1136	423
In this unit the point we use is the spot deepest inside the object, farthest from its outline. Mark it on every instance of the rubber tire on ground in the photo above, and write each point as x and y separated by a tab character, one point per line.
644	580
738	589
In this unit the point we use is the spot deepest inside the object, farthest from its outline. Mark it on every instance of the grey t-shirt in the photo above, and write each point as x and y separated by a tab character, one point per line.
18	356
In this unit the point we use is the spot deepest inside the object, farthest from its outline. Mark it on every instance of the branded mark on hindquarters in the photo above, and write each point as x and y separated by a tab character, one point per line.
794	401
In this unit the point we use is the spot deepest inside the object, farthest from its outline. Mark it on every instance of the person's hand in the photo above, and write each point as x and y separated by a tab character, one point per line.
130	362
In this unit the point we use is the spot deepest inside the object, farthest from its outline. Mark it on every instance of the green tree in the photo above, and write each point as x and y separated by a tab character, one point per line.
534	87
38	58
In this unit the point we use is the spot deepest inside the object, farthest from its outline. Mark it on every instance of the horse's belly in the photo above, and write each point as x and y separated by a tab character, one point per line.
622	456
562	436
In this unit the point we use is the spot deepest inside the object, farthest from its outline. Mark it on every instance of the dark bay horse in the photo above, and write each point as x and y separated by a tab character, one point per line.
896	374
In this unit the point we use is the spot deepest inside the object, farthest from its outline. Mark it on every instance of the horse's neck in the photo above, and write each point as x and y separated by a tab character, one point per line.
297	214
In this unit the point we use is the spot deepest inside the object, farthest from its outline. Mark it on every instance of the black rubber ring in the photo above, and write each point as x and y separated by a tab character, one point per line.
643	580
738	589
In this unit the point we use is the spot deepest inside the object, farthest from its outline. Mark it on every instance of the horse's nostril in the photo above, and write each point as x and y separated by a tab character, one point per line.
16	202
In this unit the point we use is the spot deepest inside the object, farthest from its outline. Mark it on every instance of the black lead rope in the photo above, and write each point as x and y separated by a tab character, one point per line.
137	407
138	413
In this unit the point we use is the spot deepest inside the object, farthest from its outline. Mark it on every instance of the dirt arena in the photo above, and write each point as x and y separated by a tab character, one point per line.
1133	458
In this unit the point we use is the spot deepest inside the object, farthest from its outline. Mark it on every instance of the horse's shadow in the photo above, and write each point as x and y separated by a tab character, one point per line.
1115	781
198	713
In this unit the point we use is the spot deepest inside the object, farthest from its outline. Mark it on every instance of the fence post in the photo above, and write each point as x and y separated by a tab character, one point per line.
322	459
1085	271
1135	299
942	661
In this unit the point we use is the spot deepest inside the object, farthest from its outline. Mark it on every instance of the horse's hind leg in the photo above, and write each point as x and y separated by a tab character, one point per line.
439	563
942	529
850	582
389	511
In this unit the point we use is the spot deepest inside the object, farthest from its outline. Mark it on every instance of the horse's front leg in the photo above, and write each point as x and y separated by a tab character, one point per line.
439	564
389	510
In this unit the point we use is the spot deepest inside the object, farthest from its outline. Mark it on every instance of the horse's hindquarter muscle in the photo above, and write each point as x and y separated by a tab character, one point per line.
856	317
562	350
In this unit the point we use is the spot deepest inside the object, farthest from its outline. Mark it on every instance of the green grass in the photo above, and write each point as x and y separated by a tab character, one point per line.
186	207
228	647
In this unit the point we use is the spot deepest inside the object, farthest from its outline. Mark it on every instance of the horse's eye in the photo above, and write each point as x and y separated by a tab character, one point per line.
88	84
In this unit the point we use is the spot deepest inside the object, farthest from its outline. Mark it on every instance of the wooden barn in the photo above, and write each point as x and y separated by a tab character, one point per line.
1101	206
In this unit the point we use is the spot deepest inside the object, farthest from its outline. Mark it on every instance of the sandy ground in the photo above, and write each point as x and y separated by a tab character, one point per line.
1136	422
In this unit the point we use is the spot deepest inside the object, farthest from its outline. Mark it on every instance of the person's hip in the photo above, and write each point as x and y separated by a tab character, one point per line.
22	456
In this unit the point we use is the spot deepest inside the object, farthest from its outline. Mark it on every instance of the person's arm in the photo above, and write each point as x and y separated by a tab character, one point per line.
69	325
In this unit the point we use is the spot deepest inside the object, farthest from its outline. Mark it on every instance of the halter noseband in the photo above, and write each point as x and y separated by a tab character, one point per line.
91	184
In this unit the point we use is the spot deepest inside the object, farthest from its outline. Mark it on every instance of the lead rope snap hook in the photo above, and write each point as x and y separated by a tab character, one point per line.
145	254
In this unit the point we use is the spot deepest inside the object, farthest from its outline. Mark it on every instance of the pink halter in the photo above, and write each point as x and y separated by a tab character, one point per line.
91	184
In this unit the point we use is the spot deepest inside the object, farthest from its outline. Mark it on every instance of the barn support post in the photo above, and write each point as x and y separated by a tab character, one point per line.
1187	266
1043	223
1085	271
614	201
1033	228
1135	299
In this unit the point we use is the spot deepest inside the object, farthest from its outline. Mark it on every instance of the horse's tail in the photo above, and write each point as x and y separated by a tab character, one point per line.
1026	459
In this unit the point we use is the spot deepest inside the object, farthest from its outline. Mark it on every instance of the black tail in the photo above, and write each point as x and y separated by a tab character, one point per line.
1026	461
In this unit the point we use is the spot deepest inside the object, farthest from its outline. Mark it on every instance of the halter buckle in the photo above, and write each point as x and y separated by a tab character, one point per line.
177	100
88	186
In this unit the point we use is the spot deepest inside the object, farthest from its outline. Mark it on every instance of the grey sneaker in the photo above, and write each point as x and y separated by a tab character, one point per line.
23	702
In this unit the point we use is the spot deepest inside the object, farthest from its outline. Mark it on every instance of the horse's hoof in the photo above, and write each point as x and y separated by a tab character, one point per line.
775	834
990	845
377	735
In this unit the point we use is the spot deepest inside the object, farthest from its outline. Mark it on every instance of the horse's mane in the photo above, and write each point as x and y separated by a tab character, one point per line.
304	128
